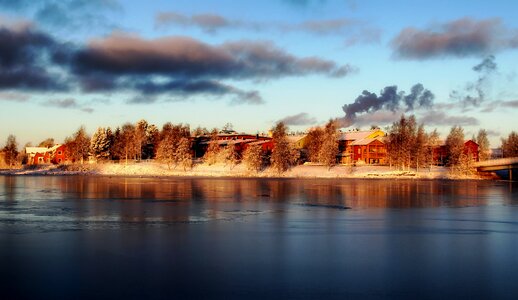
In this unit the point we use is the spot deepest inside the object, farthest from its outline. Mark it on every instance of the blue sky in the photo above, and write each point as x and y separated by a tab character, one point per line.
252	63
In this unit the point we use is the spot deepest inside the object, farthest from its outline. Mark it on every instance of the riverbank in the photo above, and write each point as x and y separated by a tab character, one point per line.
223	170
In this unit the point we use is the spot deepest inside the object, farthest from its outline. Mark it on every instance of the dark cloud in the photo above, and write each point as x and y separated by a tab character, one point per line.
475	92
65	14
440	118
352	30
299	119
389	99
187	88
24	54
459	38
68	103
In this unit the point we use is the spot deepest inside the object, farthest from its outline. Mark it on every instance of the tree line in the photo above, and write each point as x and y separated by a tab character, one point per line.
408	146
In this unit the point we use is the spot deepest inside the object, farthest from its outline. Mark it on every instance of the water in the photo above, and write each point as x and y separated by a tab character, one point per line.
74	237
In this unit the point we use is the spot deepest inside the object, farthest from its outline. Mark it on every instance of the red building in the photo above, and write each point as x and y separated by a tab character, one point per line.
43	155
362	146
440	153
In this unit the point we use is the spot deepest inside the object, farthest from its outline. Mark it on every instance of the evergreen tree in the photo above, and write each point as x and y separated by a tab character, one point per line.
253	158
280	159
510	145
11	151
329	148
49	142
151	142
100	144
484	151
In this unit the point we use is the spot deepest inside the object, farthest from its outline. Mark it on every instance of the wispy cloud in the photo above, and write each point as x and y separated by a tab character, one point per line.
458	38
353	31
67	103
440	118
299	119
14	97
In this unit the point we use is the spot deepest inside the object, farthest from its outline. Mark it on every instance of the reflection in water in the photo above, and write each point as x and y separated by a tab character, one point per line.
135	238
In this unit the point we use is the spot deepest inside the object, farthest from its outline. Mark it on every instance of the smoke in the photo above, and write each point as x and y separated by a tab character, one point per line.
475	92
389	99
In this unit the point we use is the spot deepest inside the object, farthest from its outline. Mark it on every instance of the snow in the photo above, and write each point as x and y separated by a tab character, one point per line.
226	170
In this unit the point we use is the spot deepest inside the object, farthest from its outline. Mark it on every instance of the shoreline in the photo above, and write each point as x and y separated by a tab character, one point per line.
153	169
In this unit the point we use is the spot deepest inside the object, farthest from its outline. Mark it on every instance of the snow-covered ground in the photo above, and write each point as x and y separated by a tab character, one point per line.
222	170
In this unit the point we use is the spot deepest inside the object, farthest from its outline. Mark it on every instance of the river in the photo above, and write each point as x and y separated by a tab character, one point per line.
80	237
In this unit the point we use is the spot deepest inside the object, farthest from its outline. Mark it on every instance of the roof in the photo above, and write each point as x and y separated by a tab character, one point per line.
359	135
366	141
34	150
294	138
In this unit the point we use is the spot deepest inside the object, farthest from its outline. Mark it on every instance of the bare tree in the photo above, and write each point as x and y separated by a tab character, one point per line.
432	142
484	152
49	142
78	146
314	140
253	157
401	138
11	151
183	154
419	148
280	159
329	148
454	146
510	145
211	155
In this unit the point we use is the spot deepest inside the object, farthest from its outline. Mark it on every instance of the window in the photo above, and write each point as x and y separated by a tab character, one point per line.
59	152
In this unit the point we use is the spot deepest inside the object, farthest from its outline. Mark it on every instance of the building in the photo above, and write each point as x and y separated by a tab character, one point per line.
240	140
367	147
44	155
440	153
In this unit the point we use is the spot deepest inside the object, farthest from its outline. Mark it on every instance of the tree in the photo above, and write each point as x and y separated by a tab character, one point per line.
280	159
329	148
183	154
314	140
484	151
100	143
151	142
170	137
129	146
11	151
432	142
166	150
253	157
198	131
140	137
117	147
401	139
211	155
231	155
419	148
454	146
47	143
510	145
78	146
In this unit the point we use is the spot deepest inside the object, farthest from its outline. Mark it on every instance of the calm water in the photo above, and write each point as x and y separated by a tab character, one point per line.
134	238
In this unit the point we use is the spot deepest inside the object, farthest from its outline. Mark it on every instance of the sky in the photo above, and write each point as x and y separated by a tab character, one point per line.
67	63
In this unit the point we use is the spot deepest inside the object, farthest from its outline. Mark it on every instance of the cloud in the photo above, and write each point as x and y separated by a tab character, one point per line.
65	14
298	119
389	99
440	118
475	92
381	117
14	97
24	53
459	38
353	31
187	88
68	103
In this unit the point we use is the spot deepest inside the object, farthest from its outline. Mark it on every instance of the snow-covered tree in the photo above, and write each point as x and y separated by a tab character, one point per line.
100	144
455	146
329	148
211	155
314	143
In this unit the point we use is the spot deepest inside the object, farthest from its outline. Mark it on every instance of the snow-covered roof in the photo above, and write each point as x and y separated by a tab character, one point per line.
358	135
365	141
34	150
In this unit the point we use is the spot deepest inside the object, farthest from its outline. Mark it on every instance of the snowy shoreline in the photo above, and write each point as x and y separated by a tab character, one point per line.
153	169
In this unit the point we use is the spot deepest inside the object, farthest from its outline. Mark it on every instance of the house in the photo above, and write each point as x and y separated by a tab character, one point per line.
239	140
44	155
362	146
440	153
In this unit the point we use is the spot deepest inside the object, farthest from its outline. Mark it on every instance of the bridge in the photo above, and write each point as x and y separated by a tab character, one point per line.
499	165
